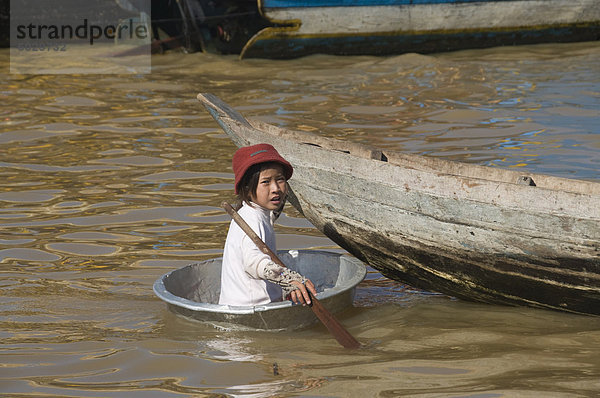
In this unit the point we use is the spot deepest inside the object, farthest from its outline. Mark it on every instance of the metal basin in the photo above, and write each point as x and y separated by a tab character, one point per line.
193	291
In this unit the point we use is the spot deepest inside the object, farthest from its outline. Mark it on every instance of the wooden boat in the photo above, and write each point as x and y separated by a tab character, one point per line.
293	28
193	291
373	27
474	232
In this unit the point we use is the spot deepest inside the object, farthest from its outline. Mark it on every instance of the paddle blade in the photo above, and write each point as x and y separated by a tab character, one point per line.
333	325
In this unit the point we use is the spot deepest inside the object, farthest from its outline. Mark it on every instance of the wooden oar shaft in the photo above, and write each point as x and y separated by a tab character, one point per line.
331	323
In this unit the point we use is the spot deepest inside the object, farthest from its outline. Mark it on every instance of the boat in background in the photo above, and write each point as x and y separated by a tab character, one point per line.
479	233
379	27
193	291
294	28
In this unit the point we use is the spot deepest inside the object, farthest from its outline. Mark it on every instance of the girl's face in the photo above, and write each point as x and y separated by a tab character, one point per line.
271	189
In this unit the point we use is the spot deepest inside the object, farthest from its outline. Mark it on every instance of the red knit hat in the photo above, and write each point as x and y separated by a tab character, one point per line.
248	156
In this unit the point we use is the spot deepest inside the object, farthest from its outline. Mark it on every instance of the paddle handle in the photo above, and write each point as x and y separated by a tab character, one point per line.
331	323
251	234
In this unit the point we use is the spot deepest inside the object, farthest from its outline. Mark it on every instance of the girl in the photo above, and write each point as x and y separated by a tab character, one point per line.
248	276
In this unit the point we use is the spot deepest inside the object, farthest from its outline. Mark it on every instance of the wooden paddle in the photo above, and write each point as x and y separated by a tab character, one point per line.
335	328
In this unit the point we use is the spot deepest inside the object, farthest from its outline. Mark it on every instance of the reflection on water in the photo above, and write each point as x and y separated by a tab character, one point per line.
109	182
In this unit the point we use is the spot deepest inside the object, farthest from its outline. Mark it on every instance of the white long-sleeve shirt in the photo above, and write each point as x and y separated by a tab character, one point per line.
244	265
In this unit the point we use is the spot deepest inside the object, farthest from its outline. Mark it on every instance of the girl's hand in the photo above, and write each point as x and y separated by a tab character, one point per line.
300	295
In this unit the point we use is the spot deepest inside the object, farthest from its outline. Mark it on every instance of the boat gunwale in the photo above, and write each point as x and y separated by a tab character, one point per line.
429	164
558	196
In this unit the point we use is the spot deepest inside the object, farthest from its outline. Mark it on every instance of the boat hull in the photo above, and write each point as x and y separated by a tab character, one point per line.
377	27
193	291
469	231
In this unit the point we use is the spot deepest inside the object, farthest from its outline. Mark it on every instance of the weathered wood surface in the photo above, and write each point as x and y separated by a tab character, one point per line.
469	231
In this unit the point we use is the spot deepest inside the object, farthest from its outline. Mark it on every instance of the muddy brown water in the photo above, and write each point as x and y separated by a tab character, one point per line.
109	181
